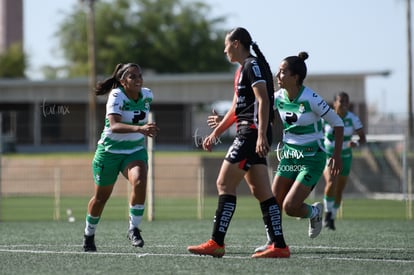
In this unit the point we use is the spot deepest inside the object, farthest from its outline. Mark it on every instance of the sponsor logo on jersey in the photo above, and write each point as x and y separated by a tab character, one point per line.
290	118
256	71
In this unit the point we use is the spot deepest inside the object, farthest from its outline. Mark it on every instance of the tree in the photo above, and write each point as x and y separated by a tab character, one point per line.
13	62
165	36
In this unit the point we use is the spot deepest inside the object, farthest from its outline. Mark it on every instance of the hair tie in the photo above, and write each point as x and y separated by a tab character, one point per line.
125	68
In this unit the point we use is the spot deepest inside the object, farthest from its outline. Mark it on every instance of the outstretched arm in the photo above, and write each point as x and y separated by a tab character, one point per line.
222	126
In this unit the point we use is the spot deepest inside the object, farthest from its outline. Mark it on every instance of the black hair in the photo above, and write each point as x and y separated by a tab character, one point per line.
297	66
341	94
243	36
105	86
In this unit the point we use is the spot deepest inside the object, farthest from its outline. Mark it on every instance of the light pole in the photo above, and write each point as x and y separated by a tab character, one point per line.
92	74
410	134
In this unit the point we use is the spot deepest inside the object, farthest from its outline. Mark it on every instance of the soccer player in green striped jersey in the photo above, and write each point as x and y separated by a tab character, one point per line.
121	149
302	156
334	186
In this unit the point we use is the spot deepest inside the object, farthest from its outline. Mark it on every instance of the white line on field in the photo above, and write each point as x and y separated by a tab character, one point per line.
319	247
142	255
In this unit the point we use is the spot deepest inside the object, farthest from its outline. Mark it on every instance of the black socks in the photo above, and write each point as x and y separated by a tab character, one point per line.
272	217
224	213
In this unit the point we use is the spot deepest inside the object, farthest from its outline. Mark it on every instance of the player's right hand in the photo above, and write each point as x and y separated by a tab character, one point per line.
214	119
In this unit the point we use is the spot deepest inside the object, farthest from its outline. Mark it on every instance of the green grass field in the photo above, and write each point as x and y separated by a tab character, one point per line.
372	237
25	208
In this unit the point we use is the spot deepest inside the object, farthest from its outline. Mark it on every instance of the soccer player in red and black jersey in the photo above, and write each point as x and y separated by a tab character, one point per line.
246	158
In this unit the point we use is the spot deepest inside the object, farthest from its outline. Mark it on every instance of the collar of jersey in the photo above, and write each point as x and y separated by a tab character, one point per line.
139	95
299	94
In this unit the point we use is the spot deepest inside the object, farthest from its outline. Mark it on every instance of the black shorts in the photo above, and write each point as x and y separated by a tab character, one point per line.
243	149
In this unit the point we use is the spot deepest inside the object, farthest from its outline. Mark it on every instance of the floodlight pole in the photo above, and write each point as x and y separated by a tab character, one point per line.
1	154
92	74
410	134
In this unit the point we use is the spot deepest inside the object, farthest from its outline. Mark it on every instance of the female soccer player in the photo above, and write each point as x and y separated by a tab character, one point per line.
121	148
334	186
302	157
252	112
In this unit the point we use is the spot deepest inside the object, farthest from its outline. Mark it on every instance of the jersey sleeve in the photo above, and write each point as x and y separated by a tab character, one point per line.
254	72
114	103
319	105
147	94
333	118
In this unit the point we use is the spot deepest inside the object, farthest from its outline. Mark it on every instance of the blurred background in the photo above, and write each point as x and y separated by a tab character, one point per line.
53	52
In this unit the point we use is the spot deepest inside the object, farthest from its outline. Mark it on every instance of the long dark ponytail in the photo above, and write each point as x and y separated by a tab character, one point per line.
269	78
105	86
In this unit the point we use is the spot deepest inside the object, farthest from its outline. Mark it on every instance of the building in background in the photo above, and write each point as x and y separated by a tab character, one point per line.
38	114
54	114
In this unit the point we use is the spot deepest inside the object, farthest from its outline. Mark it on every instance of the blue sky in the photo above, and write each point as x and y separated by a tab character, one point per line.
340	36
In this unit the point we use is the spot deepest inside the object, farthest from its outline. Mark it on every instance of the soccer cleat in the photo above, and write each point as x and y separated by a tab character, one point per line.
134	236
263	247
315	223
273	252
328	216
208	248
329	222
89	243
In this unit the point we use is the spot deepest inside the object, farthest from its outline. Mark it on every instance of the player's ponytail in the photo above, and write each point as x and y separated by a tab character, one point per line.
105	86
269	78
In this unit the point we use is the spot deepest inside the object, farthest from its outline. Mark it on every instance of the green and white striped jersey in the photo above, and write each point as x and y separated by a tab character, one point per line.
351	124
301	117
131	112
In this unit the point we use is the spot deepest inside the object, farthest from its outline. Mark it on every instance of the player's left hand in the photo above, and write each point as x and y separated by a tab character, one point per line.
208	142
262	146
335	165
150	129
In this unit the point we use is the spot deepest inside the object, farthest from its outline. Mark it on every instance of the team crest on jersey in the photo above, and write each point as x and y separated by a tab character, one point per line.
126	106
302	108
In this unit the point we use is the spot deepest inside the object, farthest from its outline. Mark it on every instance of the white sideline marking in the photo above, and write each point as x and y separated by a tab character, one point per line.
321	247
9	249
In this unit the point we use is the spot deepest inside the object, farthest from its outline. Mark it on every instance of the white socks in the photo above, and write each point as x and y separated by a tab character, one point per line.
135	215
